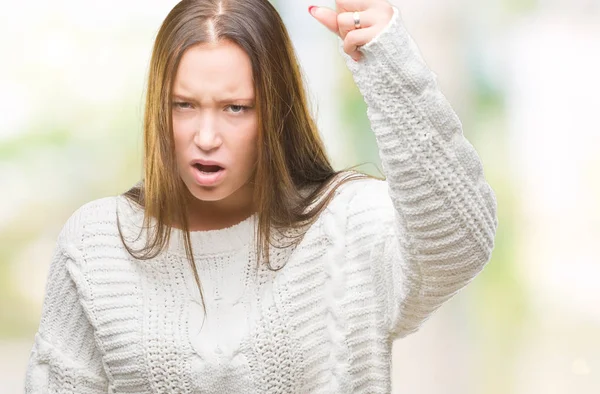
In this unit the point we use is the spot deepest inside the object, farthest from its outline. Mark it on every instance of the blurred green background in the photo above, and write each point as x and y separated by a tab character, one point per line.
523	77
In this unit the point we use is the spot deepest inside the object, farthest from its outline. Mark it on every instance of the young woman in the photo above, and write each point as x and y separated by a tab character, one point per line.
242	262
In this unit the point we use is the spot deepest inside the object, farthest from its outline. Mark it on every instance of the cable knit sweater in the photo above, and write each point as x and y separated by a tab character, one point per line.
378	261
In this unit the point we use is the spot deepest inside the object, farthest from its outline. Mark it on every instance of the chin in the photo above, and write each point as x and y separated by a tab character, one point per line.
208	194
222	191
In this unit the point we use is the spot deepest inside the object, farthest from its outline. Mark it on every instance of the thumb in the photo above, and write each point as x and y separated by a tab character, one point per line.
326	16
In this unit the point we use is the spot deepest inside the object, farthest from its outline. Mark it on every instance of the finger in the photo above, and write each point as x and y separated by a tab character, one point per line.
345	21
326	16
352	5
356	39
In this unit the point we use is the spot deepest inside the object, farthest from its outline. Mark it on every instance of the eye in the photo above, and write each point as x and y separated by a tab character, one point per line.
238	109
182	105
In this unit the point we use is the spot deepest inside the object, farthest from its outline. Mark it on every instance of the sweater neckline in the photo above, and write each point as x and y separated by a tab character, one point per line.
226	239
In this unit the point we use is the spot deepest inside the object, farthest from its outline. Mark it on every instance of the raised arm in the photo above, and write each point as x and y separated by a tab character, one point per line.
432	224
444	223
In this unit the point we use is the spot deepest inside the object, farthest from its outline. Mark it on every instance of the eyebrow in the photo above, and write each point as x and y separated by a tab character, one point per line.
221	101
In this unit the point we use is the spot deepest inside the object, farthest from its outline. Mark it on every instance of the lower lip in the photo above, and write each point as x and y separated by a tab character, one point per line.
207	178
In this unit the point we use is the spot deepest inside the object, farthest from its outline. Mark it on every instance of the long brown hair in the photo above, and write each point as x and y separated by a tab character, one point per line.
293	174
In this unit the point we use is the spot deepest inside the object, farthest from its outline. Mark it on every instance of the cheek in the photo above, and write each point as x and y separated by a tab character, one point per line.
249	143
182	133
181	128
242	139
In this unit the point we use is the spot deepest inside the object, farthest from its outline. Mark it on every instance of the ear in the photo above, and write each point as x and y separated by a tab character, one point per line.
326	16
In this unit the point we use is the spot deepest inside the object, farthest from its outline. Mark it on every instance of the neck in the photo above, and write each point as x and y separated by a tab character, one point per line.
216	215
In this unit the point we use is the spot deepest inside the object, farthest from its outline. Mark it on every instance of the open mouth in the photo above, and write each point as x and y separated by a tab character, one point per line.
207	169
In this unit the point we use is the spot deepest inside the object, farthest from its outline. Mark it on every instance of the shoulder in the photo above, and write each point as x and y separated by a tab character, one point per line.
363	200
363	194
86	220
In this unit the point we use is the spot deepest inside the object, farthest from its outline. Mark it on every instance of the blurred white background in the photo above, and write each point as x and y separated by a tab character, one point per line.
524	77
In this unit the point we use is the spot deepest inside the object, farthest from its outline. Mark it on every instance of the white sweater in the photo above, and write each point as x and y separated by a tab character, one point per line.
377	262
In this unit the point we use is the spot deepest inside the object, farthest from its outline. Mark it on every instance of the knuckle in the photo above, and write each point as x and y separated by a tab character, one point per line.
351	37
346	47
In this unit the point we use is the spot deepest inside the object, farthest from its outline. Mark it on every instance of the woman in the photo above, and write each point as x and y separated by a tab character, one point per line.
243	263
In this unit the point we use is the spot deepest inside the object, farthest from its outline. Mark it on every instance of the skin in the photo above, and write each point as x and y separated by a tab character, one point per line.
374	16
214	116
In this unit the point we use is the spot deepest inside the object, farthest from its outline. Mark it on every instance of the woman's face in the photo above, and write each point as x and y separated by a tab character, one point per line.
215	124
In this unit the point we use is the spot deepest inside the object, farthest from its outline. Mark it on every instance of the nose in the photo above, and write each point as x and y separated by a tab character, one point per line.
207	136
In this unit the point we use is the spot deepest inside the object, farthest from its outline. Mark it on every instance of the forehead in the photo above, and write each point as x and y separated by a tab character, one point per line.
210	69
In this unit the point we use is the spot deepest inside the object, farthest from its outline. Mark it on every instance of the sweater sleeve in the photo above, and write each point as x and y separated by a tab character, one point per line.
439	230
64	358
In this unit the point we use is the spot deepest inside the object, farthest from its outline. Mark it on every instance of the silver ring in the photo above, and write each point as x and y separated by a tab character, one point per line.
356	20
